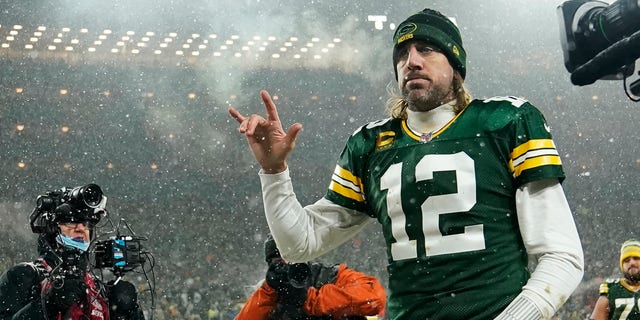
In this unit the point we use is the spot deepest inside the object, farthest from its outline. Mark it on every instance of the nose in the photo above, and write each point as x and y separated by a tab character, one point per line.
82	226
414	59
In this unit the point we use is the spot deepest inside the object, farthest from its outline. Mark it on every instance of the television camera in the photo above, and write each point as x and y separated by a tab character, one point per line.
601	41
120	253
80	203
110	250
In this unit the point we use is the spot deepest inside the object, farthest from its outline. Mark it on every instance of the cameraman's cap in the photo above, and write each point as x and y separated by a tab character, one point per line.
433	27
630	248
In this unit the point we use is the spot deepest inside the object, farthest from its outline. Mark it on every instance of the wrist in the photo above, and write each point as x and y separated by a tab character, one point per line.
274	168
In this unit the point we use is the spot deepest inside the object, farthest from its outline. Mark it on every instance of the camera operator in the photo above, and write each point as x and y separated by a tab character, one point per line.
312	291
59	284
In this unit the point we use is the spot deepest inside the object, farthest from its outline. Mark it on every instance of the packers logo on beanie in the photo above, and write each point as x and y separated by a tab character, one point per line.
630	248
433	27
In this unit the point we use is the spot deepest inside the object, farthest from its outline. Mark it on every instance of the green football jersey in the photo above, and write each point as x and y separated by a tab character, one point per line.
623	300
446	203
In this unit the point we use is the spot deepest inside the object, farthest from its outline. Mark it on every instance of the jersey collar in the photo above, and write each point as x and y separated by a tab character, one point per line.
424	126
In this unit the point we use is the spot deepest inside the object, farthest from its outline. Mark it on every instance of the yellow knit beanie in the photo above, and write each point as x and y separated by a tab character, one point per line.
630	248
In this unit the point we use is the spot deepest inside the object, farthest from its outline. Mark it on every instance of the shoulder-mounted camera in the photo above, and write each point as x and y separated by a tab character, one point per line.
80	204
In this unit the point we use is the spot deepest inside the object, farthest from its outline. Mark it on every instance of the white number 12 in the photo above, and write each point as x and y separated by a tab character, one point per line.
460	202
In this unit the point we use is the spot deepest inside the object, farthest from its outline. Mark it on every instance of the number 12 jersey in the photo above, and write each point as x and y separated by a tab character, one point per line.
446	203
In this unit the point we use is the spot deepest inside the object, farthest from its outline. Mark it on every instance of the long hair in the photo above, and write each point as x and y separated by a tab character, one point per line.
396	106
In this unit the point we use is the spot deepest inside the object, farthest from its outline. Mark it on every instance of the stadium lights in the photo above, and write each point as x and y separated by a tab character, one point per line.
377	21
76	42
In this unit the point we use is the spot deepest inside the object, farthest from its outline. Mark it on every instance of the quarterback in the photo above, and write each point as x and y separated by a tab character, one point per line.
466	191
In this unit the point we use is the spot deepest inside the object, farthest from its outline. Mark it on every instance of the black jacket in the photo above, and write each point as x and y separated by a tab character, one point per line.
20	297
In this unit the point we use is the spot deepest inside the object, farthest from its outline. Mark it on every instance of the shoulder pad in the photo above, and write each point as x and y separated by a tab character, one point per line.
514	101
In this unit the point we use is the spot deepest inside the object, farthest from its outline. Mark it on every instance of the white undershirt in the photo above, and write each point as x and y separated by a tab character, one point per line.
430	121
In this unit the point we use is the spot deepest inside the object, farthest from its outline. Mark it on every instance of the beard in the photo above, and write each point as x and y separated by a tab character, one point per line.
434	97
632	277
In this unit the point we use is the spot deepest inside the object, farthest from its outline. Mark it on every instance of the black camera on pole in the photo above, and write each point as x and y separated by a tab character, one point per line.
600	40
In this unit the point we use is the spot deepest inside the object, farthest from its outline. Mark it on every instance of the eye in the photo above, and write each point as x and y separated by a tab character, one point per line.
427	49
402	53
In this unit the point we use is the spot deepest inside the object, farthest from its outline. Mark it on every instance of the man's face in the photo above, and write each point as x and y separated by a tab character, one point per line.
631	268
76	230
425	76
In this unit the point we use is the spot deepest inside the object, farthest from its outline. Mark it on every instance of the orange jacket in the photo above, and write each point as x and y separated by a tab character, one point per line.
353	293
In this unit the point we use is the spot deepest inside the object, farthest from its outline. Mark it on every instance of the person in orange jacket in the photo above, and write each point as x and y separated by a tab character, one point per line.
312	290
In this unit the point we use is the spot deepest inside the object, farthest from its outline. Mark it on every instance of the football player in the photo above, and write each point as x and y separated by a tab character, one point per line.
619	297
465	191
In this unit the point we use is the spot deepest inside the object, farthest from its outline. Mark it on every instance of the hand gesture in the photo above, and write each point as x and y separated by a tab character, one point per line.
268	141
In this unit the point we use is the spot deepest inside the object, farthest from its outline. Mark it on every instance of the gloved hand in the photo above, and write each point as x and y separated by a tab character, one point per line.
291	301
292	296
122	297
277	274
64	293
299	274
291	283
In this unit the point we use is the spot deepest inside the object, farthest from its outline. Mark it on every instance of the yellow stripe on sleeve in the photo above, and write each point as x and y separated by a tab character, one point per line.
532	145
347	175
345	192
536	162
346	184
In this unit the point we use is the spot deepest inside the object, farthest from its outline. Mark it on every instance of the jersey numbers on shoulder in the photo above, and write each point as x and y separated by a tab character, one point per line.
515	101
460	202
372	125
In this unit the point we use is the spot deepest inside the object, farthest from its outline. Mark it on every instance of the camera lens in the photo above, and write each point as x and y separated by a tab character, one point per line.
92	195
89	196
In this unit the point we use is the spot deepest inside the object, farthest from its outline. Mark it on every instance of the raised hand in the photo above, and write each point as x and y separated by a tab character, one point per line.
268	141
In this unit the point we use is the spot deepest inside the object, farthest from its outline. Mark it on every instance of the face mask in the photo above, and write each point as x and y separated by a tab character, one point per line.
73	243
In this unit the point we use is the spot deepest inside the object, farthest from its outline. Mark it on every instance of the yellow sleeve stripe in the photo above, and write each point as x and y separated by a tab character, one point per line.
532	145
345	192
346	184
536	162
604	288
532	154
347	176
